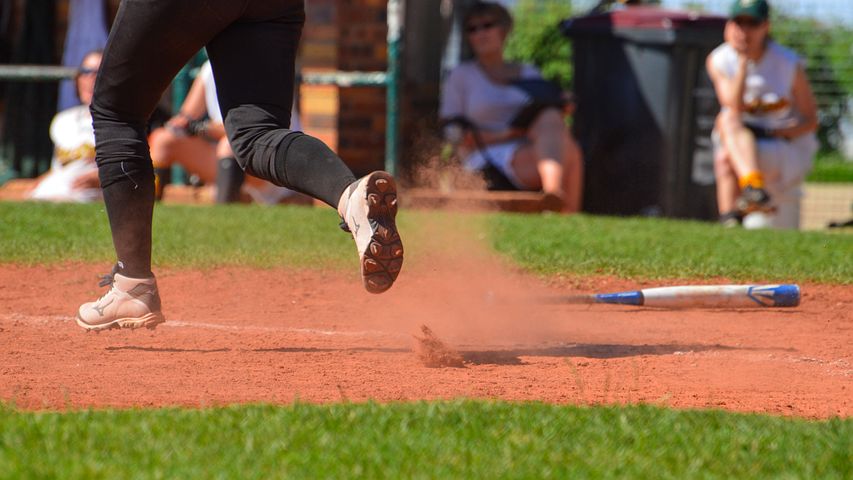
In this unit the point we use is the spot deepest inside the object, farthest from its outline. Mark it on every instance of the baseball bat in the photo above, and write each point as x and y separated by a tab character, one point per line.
708	296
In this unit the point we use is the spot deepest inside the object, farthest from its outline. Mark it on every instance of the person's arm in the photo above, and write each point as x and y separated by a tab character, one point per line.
192	109
804	104
729	90
89	179
503	136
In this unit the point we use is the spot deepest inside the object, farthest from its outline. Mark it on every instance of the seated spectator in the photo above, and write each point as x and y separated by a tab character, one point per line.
195	139
484	96
765	133
73	175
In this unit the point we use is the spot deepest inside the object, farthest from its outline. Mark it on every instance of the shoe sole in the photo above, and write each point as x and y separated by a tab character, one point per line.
746	209
149	321
383	259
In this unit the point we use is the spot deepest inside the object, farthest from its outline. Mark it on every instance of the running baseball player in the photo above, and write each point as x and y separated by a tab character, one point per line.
252	47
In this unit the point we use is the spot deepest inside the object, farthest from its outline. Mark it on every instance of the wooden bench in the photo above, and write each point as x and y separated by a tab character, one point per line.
478	200
424	198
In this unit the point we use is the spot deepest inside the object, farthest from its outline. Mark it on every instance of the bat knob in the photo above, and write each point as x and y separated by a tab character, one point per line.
776	295
787	296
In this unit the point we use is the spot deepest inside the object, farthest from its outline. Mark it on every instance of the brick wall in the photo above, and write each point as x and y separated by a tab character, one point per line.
361	119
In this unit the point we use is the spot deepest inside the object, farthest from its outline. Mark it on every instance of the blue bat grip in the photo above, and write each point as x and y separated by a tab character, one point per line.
622	298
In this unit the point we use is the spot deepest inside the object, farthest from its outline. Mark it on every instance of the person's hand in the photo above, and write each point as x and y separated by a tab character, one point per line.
178	124
735	37
86	181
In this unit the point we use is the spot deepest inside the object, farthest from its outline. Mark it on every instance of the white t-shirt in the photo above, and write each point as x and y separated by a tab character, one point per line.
73	156
470	93
768	93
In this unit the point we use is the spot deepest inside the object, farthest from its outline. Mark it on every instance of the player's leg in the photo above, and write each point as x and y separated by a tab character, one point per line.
551	161
742	148
195	154
150	40
253	63
229	175
727	188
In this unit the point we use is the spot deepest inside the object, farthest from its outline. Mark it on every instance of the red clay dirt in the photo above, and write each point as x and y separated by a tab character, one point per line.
236	335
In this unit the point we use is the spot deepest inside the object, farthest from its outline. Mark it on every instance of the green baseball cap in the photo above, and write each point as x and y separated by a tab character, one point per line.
757	9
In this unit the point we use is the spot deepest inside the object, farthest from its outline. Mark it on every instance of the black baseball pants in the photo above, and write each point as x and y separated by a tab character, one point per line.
252	46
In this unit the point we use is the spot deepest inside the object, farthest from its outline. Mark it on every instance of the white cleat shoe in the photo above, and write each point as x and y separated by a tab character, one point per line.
130	303
369	216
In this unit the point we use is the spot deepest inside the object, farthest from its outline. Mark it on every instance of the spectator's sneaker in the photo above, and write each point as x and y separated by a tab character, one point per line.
130	303
369	216
753	200
731	219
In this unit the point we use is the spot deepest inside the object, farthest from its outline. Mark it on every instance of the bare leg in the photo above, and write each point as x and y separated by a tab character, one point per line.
727	186
195	154
552	161
739	142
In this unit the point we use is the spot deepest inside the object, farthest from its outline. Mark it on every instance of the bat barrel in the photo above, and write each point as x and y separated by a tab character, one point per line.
785	295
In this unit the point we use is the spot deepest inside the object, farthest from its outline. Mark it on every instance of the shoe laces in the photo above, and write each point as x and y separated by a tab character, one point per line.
344	226
109	278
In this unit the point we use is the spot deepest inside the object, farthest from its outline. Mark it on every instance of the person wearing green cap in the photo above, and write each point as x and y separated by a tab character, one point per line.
765	132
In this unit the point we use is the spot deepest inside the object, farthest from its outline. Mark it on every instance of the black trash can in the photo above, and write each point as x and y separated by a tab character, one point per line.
645	110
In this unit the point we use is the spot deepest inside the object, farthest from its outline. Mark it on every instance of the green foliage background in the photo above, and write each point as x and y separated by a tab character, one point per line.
828	54
536	38
827	50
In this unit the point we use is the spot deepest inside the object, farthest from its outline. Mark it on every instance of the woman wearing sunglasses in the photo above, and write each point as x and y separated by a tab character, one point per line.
765	133
482	96
73	175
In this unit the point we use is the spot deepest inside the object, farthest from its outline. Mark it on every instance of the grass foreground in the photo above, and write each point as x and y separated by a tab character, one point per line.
301	237
420	440
476	439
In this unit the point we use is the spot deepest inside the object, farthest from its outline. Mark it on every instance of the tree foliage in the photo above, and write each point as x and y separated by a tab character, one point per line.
827	51
536	38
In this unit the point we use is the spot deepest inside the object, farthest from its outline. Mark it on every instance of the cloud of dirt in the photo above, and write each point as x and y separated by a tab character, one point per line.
432	352
464	292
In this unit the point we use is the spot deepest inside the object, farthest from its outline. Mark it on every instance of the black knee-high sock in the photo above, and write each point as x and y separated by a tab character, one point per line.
285	157
130	207
229	179
309	166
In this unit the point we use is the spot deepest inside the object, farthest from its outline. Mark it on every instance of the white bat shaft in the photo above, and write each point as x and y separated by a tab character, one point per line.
714	296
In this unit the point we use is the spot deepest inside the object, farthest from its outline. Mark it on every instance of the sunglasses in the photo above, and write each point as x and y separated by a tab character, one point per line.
476	27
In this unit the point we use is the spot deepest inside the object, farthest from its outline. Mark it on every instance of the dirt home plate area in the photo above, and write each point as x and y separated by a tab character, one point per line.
460	328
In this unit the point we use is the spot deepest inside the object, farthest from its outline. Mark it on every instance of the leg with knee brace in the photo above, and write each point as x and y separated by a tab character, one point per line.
285	157
127	180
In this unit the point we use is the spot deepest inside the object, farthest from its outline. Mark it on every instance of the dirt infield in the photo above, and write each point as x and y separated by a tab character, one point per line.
242	335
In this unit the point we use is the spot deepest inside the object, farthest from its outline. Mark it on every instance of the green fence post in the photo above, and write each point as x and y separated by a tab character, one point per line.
392	93
180	87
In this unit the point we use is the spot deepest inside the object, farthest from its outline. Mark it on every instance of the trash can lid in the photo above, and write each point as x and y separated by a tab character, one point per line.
642	17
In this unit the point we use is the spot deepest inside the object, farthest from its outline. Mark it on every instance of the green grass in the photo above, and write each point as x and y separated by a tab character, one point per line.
471	439
658	248
427	440
184	236
831	167
546	244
